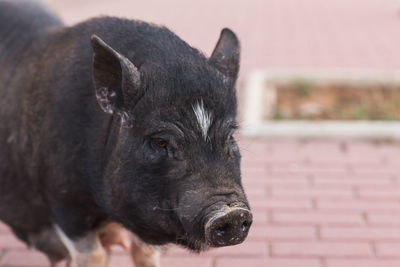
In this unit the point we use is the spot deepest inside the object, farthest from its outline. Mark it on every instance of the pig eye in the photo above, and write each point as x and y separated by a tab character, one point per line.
231	145
158	143
230	138
231	141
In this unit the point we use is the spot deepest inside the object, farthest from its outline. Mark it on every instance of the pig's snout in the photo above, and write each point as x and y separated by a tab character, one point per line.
228	226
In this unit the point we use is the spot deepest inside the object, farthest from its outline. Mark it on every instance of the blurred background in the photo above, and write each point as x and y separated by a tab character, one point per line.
273	33
319	93
298	45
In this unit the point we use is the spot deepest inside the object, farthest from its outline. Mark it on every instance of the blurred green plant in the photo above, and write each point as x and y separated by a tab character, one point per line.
304	87
342	101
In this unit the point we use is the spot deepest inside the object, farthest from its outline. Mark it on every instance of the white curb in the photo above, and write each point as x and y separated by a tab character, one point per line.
260	96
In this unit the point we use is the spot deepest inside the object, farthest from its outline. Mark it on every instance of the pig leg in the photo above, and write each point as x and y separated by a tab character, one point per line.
144	255
85	251
114	234
58	264
49	242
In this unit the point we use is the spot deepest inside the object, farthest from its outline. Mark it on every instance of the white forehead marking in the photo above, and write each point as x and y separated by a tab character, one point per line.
203	117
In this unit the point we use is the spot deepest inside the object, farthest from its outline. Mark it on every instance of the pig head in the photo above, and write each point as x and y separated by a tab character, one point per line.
172	171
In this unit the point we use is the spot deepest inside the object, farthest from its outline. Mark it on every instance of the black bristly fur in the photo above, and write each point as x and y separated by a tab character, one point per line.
65	161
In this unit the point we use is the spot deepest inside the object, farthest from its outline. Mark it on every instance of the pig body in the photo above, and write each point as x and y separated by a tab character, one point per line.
115	120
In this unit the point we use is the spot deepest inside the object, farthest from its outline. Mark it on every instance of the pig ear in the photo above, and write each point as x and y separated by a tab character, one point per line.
113	74
226	54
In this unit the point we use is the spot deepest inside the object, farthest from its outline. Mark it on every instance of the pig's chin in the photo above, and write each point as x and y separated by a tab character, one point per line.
155	237
193	245
176	234
190	242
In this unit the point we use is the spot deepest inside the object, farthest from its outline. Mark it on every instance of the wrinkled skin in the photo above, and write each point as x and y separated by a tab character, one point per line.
115	120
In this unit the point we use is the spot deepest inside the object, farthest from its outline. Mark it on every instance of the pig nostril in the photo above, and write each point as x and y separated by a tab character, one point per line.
245	226
222	230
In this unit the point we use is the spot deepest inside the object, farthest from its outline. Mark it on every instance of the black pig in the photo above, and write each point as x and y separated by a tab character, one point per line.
116	120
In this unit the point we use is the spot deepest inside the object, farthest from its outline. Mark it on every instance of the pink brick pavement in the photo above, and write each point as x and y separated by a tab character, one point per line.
273	33
316	204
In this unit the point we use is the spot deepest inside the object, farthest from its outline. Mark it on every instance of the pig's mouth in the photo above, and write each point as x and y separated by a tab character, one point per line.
223	225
